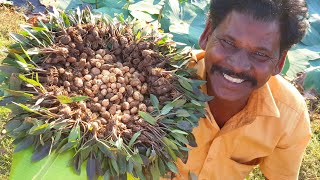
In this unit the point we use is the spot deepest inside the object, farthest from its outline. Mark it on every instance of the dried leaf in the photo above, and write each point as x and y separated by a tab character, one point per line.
146	116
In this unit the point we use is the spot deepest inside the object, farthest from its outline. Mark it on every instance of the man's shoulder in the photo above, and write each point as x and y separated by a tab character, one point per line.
286	94
290	103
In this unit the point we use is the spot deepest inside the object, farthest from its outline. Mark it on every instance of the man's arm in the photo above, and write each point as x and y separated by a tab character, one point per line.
284	163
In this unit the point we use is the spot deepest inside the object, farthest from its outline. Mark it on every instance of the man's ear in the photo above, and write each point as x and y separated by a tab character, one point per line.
280	64
205	35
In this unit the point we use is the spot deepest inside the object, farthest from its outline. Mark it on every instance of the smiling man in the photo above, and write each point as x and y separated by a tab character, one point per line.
256	117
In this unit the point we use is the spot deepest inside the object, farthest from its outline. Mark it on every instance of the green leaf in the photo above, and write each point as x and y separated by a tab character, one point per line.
63	5
25	143
18	93
26	108
91	168
177	131
74	134
182	113
67	146
154	101
41	152
134	138
311	80
184	125
54	166
161	166
37	130
115	166
185	84
146	116
166	109
19	38
30	81
169	143
64	99
178	103
155	172
196	103
137	159
106	150
13	124
186	21
180	138
172	167
122	164
79	98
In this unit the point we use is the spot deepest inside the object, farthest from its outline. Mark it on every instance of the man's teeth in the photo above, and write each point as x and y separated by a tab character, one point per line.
232	79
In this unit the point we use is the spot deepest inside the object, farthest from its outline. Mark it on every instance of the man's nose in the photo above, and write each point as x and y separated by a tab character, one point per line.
239	61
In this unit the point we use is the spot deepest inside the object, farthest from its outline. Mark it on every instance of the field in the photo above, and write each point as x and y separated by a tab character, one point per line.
310	168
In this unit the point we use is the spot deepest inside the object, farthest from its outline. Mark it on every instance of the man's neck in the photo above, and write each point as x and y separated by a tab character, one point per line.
222	111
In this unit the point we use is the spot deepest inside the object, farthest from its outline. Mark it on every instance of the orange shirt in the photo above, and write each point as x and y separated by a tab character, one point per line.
273	130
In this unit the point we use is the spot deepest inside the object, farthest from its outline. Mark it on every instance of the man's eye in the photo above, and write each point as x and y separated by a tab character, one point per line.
228	43
260	54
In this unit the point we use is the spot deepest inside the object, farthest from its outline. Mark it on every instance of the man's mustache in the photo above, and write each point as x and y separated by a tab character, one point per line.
229	72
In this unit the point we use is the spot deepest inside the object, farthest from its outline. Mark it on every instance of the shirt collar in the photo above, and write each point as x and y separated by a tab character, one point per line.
261	101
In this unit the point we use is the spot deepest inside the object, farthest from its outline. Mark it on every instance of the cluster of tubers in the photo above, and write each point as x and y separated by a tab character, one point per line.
117	72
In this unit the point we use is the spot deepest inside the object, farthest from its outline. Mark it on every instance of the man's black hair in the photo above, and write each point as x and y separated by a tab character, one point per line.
291	14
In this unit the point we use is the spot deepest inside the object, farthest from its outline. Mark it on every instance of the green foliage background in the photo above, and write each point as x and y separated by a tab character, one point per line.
185	20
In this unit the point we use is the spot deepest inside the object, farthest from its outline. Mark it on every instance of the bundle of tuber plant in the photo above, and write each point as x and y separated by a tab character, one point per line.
120	96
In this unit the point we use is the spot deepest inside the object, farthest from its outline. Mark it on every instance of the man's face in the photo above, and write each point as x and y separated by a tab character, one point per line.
241	55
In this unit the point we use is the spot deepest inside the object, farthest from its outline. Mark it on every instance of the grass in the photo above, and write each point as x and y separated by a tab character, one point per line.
9	23
310	168
6	147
